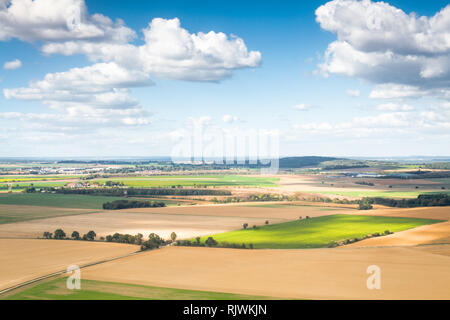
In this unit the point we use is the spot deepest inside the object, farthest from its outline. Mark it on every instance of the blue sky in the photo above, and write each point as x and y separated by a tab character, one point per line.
379	92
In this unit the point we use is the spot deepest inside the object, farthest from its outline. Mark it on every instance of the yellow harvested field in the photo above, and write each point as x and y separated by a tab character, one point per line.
430	234
186	222
108	223
279	210
22	260
440	213
443	249
305	274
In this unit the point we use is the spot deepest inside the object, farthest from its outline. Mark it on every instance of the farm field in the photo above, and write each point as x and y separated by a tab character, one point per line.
317	232
25	259
251	210
17	213
193	180
346	187
97	290
74	201
429	234
302	274
109	222
375	193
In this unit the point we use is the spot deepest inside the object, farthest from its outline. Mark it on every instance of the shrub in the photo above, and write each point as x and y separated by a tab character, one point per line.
47	235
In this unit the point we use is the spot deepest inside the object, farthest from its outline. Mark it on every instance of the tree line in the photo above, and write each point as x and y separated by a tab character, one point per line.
211	242
59	234
423	200
126	204
139	191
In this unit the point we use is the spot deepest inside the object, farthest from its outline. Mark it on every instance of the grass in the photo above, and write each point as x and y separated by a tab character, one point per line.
57	200
190	181
98	290
318	232
17	213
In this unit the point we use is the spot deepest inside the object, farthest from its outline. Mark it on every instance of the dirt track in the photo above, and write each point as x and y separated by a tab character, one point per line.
305	274
22	259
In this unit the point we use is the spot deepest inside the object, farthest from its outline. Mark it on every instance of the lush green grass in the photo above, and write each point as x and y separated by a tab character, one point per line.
13	213
20	178
318	232
56	200
97	290
190	181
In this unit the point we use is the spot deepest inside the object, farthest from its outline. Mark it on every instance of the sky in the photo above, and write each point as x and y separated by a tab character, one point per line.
133	78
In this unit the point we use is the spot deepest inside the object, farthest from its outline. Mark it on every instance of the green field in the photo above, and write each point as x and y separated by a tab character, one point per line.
96	290
12	213
57	200
198	180
317	232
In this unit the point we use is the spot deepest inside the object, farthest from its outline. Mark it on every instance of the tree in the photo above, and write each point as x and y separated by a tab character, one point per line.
267	221
365	204
59	234
245	225
173	236
47	235
210	242
138	238
90	236
76	235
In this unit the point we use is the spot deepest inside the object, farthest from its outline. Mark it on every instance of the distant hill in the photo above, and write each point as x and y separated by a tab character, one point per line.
300	162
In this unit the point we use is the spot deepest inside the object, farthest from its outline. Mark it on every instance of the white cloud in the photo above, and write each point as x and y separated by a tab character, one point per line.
58	20
394	107
353	93
98	93
171	52
382	44
12	65
301	107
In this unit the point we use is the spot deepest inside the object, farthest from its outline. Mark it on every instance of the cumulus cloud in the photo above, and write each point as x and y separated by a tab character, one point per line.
394	107
12	65
99	93
384	45
171	52
61	20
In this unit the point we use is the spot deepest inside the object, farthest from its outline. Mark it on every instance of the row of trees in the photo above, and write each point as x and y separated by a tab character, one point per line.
353	240
126	204
211	242
59	234
423	200
139	191
154	241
